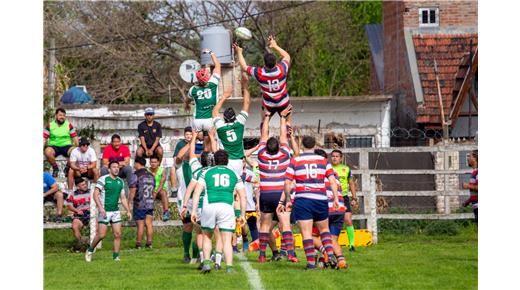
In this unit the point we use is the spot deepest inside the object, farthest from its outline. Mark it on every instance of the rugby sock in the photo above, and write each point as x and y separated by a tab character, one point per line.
264	240
350	234
326	240
115	255
186	240
341	258
194	249
90	249
218	258
308	246
289	242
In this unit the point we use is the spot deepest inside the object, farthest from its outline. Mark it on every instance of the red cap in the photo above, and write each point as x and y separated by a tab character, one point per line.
202	75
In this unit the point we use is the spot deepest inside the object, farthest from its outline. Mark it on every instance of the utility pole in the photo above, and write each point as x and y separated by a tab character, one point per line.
51	84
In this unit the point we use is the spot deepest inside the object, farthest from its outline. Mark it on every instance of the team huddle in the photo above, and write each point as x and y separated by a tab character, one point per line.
225	192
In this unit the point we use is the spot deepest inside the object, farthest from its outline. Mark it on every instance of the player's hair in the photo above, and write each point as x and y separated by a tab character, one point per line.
269	60
58	110
140	160
474	153
308	142
273	146
320	152
112	162
207	159
229	115
221	157
78	180
115	136
337	151
153	157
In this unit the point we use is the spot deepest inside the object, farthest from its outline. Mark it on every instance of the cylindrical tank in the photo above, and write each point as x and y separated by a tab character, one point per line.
218	39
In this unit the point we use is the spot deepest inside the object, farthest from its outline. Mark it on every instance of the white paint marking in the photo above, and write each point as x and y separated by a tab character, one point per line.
252	274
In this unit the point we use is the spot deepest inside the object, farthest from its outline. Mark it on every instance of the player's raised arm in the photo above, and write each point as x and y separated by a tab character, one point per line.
193	142
216	62
264	135
227	93
284	54
245	92
241	59
283	123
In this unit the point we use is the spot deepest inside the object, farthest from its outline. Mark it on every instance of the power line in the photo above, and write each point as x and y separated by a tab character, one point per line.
120	39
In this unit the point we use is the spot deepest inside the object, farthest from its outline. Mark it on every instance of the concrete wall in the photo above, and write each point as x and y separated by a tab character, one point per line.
360	115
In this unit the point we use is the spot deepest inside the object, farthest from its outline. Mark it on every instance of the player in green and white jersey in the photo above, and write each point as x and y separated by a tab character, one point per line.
108	192
219	184
230	128
204	94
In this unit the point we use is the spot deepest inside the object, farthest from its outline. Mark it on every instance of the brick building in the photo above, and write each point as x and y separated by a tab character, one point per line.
404	48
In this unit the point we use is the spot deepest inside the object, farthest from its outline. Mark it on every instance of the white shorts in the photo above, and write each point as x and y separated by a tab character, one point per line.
237	165
218	214
112	217
202	124
181	187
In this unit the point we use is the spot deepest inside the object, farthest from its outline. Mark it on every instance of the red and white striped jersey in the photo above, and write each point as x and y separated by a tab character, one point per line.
272	168
272	83
330	196
309	171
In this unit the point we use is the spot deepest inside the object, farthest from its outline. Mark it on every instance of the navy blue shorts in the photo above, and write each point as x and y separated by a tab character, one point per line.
269	202
336	222
347	203
63	150
140	214
310	209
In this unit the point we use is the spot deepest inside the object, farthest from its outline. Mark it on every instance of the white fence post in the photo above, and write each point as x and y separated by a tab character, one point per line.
365	182
93	217
372	217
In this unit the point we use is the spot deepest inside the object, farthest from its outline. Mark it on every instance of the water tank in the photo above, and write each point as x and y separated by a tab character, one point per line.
218	39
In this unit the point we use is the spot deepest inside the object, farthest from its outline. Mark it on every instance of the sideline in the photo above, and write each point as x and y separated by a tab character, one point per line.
252	274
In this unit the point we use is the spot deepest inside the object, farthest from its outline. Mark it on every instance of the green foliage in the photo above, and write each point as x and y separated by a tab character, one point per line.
442	228
88	132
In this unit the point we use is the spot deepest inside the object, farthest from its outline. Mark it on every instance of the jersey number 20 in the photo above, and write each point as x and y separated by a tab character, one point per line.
221	180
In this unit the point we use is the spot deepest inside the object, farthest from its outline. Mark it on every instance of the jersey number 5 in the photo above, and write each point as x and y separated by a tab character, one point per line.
231	135
311	170
221	180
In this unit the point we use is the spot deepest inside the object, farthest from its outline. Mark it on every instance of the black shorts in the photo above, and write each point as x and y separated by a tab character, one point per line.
84	218
150	146
269	202
140	214
276	109
63	151
347	204
49	198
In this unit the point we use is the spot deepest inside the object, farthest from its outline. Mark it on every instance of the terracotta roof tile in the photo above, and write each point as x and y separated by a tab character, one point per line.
449	50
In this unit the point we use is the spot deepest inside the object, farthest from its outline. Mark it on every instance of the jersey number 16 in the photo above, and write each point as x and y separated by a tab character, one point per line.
221	180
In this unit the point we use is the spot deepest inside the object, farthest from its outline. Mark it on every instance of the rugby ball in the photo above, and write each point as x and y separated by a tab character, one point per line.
243	33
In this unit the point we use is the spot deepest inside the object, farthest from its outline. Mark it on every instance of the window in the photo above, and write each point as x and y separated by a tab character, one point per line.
428	17
360	142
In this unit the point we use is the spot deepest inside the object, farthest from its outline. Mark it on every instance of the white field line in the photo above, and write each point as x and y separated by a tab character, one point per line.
252	274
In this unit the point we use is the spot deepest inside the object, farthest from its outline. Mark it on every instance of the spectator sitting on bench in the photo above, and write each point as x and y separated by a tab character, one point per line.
52	193
120	153
160	190
83	163
60	135
79	203
150	133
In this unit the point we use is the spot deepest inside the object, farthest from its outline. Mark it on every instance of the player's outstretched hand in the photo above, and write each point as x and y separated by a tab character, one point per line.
237	48
288	206
280	208
336	203
272	42
287	111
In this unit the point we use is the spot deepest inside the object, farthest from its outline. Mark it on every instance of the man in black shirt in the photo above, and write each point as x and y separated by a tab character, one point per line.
149	134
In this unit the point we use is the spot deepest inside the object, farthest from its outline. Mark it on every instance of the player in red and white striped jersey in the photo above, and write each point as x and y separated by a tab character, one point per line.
272	78
273	160
309	171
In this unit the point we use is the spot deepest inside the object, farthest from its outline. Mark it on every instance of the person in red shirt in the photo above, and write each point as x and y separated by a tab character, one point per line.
119	153
473	183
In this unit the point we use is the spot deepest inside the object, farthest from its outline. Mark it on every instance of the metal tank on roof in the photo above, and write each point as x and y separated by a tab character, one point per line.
218	39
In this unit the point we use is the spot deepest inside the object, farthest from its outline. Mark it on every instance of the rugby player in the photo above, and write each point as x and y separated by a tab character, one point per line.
141	198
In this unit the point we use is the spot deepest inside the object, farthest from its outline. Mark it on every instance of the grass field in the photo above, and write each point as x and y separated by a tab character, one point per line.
397	262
